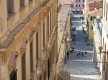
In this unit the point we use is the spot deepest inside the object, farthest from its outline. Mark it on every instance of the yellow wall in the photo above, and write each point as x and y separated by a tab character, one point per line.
91	22
34	25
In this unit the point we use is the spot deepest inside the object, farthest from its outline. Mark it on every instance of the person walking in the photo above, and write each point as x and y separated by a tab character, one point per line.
83	29
82	54
85	52
77	55
67	55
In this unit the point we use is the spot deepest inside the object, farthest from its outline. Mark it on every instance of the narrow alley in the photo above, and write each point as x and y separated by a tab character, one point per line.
80	64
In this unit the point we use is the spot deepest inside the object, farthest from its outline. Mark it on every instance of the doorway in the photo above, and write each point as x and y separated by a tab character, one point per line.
13	75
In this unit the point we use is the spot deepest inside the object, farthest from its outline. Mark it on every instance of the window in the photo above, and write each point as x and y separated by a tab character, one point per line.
76	0
83	5
49	68
40	78
23	67
79	5
91	27
76	5
83	0
53	17
104	58
37	56
31	57
13	75
91	18
50	22
48	27
10	7
22	3
79	0
43	34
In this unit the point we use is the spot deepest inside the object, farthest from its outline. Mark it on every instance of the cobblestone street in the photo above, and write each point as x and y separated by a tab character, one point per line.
79	64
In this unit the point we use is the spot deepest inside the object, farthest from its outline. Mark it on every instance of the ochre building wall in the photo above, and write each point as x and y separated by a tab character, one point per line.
28	40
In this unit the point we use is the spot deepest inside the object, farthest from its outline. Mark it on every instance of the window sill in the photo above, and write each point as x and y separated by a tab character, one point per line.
10	15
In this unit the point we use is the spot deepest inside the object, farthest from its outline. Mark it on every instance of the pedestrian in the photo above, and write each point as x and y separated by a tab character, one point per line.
85	52
77	55
82	54
83	29
67	55
74	28
74	36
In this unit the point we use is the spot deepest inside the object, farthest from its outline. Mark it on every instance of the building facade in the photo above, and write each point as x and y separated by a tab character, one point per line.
28	39
63	38
91	5
78	4
93	11
91	17
97	29
102	43
104	46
